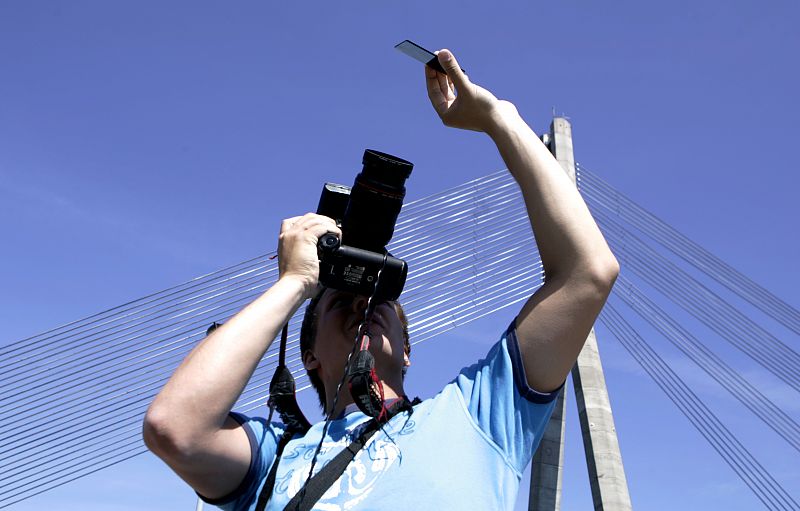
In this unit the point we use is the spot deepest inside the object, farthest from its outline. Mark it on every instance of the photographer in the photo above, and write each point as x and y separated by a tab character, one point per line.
462	449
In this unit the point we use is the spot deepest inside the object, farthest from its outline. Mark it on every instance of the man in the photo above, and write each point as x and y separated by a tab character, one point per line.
463	449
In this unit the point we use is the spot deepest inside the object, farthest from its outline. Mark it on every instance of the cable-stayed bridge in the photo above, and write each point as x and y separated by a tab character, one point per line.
470	251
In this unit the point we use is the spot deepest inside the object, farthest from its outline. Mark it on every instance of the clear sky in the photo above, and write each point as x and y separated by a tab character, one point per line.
143	144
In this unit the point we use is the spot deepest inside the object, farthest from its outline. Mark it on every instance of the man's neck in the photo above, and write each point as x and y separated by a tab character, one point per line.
352	407
343	407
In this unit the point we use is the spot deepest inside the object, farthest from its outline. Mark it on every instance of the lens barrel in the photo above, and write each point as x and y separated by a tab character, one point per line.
384	168
375	201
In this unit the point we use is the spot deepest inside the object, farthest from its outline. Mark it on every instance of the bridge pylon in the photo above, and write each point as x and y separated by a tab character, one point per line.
603	458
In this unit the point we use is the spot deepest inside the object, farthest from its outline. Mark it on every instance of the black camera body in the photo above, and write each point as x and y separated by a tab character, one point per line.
366	213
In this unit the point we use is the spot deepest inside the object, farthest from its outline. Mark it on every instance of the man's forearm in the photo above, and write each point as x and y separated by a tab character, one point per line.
197	398
579	267
568	239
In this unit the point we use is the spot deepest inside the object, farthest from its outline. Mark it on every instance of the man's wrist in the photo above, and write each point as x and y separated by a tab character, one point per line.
297	285
504	119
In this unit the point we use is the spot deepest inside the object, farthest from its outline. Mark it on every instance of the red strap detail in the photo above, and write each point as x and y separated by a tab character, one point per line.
374	376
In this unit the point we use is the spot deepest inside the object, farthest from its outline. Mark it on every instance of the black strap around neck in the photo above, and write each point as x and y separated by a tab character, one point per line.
269	484
315	487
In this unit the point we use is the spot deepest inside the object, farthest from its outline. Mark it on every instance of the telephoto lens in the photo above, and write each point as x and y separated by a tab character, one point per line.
367	212
375	201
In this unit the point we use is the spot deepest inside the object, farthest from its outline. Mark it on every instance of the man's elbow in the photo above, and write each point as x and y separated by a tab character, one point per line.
162	437
609	271
154	433
602	273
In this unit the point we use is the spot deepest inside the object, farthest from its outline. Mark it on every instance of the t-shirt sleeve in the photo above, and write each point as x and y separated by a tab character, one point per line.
505	408
263	445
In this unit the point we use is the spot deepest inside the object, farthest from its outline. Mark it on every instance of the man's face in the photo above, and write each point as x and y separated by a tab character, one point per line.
339	315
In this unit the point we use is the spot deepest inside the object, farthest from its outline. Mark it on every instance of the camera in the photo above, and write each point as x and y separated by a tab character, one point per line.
366	213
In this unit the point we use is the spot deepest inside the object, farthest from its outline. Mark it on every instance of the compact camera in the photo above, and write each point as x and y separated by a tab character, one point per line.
366	213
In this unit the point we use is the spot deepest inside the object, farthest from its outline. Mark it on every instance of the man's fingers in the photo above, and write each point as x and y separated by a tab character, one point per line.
311	222
449	63
444	86
288	223
318	225
436	94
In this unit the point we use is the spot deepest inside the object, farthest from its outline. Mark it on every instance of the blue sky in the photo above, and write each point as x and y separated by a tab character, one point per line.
144	144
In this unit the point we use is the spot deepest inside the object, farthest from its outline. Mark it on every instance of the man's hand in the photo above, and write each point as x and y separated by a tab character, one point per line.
459	102
297	248
579	267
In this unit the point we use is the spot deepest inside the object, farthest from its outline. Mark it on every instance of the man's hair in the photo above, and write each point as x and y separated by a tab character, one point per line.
308	332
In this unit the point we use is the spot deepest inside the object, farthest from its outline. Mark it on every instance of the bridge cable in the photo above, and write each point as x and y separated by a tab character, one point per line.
702	303
723	374
689	251
735	455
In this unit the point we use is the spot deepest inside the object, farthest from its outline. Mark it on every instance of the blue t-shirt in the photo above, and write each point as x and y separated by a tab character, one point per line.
465	448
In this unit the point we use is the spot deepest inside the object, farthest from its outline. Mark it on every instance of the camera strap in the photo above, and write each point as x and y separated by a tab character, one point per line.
282	397
316	486
367	391
363	383
269	484
282	393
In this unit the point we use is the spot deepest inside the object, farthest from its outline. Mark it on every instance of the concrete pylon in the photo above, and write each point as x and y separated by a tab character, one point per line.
547	466
603	458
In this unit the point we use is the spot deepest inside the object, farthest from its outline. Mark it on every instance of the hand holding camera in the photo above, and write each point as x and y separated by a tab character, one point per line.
314	249
297	248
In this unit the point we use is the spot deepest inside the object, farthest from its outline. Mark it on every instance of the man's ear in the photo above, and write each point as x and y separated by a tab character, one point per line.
406	360
310	361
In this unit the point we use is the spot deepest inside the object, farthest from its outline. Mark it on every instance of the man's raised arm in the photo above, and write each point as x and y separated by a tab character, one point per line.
188	425
579	267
